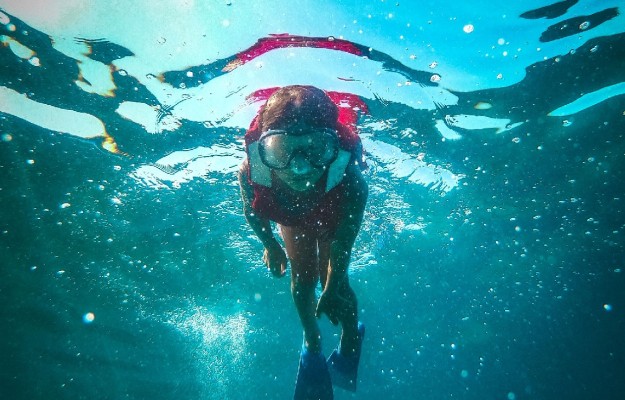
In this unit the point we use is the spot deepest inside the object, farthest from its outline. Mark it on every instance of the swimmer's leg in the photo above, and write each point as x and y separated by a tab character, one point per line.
350	339
313	378
348	316
343	362
301	248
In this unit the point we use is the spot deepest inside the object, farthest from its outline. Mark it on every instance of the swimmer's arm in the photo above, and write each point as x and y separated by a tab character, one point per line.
348	227
260	226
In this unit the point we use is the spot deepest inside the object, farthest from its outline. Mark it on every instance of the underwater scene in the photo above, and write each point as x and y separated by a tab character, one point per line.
489	263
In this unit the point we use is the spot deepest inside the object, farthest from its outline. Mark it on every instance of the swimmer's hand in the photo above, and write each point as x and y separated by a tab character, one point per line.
333	305
275	260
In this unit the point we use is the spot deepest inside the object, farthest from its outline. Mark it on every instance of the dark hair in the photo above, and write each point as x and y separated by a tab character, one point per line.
298	104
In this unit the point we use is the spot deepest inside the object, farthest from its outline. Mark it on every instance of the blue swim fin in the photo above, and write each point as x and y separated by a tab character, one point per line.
313	379
344	370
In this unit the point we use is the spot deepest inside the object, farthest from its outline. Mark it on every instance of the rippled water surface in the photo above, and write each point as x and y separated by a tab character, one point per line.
489	265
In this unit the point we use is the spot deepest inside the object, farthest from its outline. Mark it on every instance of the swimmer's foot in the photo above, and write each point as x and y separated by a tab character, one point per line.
313	379
344	369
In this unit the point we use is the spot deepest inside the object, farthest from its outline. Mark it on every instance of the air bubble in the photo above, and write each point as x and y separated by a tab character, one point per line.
584	25
88	318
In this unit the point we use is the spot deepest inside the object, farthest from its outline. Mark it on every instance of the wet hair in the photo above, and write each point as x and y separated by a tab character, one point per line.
298	105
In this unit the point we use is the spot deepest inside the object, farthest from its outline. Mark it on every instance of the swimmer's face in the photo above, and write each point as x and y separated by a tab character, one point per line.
299	110
301	174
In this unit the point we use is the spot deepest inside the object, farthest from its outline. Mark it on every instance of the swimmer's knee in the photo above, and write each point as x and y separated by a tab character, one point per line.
303	283
346	291
304	273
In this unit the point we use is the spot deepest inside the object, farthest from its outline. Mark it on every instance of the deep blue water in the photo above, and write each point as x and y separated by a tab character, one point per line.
499	278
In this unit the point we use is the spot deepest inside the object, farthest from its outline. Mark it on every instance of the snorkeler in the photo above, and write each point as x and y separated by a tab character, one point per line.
303	172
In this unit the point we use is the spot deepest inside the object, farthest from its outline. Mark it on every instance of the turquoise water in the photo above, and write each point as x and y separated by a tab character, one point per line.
489	265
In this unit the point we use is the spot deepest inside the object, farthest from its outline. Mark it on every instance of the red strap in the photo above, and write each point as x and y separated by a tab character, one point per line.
285	40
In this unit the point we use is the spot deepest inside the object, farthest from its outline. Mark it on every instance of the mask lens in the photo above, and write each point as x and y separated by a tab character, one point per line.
277	148
274	151
323	149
